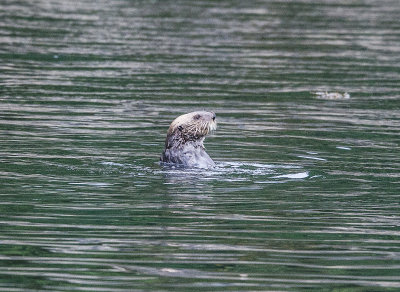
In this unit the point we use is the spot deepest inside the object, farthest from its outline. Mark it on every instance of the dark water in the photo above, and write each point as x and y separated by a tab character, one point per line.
305	195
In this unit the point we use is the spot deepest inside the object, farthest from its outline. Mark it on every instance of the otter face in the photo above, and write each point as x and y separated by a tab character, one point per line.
193	126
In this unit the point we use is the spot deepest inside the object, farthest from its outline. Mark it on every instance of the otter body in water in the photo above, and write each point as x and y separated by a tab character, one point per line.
184	143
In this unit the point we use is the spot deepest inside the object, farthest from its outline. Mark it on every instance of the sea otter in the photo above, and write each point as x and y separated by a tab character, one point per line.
185	136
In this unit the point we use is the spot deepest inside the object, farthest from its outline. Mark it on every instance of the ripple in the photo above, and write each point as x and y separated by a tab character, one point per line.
237	171
305	192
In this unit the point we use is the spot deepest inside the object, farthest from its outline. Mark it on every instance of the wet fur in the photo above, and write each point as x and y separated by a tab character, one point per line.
184	142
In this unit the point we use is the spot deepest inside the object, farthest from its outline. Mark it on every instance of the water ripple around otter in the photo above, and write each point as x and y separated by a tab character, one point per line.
224	171
241	171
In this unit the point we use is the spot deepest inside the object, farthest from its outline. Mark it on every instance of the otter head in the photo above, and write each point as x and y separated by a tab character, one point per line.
190	128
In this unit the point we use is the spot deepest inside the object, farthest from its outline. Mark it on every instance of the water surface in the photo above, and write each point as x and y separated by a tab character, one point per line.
305	195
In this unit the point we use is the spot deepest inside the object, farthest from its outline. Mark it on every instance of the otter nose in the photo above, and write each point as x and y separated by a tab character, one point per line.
213	116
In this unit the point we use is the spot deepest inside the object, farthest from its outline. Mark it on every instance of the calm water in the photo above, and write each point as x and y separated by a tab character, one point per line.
305	195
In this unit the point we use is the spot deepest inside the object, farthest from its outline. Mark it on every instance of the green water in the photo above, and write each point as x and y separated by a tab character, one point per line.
305	195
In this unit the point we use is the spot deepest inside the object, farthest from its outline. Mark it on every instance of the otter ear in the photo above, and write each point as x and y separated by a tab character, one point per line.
196	117
180	128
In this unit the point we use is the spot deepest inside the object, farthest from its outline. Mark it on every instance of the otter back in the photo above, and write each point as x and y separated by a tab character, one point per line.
188	156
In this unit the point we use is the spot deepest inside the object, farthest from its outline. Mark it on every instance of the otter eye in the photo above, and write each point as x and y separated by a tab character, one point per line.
180	128
196	117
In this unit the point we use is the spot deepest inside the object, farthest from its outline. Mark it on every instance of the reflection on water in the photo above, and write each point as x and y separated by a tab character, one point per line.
305	192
